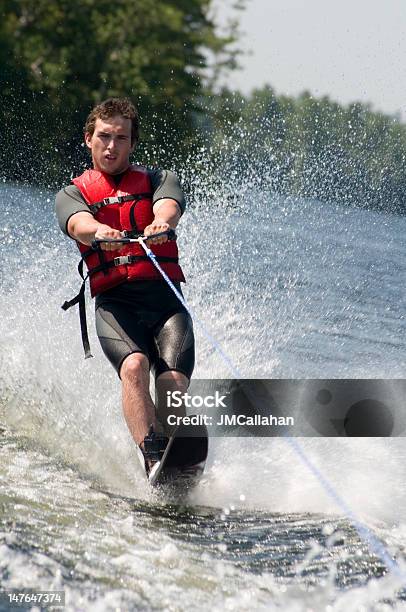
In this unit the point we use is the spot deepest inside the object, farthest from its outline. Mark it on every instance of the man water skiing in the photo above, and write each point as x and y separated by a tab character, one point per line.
140	323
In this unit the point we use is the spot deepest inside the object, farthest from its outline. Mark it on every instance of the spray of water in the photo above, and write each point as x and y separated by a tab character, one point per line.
271	304
252	296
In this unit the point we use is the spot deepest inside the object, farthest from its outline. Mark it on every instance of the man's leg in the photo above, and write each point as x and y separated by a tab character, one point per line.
169	381
138	408
125	340
174	364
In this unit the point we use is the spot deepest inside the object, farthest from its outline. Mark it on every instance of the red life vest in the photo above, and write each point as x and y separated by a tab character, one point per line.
126	207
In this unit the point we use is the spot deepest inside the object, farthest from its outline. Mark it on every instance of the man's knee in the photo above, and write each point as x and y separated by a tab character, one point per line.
135	367
172	380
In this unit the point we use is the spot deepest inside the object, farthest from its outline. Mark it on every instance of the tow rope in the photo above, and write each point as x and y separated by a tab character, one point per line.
374	544
363	531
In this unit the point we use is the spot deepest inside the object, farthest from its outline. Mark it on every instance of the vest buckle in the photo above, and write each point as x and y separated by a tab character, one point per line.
120	261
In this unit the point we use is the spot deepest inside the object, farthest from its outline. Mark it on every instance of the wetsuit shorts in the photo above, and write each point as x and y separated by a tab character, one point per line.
146	317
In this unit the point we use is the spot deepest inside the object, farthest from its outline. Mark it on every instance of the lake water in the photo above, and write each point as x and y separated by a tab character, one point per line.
291	289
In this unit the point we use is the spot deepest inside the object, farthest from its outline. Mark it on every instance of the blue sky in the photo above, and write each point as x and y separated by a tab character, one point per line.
348	49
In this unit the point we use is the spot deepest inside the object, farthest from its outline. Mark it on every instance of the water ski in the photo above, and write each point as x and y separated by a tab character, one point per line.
184	457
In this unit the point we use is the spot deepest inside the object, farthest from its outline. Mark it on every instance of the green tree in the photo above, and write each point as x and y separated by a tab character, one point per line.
59	57
312	148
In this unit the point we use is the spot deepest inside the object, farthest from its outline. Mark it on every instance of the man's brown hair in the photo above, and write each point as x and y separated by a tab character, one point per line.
110	108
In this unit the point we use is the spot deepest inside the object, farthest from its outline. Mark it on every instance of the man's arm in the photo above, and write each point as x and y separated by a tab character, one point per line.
167	214
168	203
165	185
76	219
84	228
68	202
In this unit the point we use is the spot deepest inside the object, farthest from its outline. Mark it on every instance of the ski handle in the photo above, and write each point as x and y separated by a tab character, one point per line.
170	233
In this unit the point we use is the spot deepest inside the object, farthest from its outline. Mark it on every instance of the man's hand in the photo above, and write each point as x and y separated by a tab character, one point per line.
84	228
158	225
105	231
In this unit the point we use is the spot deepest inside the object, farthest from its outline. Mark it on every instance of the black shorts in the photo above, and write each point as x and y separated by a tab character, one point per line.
146	317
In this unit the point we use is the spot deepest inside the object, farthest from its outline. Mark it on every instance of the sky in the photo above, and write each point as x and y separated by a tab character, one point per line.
351	50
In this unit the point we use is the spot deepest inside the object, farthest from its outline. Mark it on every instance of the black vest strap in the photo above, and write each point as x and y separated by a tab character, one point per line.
120	199
120	261
80	299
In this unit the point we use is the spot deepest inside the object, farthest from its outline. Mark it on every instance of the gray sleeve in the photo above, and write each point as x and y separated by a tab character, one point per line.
165	184
69	201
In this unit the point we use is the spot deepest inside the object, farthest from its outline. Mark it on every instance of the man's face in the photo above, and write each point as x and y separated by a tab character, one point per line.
110	144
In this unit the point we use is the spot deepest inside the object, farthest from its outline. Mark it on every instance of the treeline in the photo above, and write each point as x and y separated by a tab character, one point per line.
315	147
59	57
